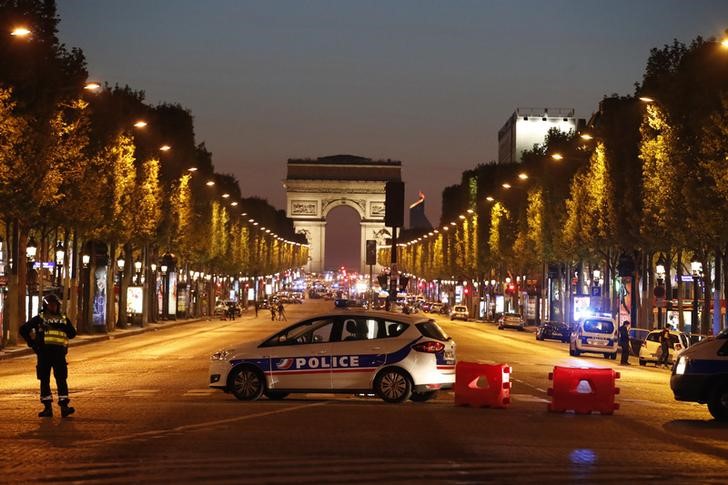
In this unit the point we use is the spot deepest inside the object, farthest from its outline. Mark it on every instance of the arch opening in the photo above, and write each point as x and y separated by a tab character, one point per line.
342	243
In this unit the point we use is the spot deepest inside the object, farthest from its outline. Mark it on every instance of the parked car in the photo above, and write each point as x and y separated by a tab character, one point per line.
511	320
436	307
596	335
220	308
553	330
636	337
397	357
459	312
650	348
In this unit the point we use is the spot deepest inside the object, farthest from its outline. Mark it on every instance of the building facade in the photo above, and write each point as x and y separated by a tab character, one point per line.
527	127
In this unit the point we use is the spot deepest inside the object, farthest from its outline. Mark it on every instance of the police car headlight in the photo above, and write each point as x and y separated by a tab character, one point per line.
221	355
682	363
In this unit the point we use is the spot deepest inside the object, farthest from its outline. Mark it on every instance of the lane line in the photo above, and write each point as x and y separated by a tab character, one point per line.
193	427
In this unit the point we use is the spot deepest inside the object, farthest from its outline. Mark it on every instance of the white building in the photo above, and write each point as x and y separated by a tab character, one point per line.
527	127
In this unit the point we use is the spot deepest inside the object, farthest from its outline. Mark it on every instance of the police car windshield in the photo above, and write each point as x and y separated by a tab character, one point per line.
598	326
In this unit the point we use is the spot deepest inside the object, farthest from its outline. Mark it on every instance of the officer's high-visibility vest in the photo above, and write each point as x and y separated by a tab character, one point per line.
54	335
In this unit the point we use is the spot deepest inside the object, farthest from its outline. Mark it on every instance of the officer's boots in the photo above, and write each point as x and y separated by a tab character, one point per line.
47	411
66	410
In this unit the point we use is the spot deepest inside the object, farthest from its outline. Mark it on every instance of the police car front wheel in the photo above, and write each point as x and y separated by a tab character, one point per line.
718	402
392	385
246	383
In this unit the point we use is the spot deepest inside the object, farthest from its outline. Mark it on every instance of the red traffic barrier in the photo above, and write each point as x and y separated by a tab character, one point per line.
482	385
583	390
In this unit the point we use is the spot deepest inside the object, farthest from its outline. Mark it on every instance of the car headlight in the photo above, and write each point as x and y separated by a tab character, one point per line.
682	363
221	355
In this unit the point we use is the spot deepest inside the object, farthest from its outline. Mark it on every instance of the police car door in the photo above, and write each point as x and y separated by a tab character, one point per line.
301	359
358	354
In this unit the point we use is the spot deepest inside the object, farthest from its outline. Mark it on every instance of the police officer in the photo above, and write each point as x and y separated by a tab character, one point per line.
624	342
47	334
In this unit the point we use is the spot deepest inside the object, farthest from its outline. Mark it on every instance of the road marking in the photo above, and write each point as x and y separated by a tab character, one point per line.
192	427
141	392
528	398
200	392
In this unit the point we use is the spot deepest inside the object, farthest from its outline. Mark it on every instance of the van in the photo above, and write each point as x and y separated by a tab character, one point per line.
701	375
597	335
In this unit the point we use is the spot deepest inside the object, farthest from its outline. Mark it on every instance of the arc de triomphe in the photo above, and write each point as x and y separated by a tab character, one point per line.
316	186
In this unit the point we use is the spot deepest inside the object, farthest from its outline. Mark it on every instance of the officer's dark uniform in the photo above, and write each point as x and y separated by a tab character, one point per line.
47	334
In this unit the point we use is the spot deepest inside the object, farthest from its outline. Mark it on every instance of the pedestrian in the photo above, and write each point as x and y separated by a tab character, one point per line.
664	347
281	311
47	334
273	311
624	341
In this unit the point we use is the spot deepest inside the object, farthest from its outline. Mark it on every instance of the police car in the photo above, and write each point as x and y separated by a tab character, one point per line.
595	334
701	375
396	356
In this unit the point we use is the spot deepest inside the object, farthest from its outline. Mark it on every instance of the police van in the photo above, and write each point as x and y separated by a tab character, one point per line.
701	375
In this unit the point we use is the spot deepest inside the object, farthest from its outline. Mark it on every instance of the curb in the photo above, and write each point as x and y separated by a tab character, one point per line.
86	339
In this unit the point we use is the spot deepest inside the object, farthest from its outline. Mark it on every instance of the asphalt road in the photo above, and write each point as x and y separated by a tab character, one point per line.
145	414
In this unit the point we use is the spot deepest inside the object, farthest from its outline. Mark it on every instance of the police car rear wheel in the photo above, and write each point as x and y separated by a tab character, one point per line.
392	385
423	396
718	402
246	384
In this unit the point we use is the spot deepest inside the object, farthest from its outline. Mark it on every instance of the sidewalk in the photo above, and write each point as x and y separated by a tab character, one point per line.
84	339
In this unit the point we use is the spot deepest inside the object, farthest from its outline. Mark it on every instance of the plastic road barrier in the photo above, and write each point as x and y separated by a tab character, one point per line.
482	385
583	390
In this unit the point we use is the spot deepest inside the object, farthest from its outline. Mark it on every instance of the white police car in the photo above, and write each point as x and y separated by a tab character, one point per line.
396	356
701	375
595	334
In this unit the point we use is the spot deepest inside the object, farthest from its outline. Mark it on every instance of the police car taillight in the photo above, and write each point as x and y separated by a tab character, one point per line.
429	347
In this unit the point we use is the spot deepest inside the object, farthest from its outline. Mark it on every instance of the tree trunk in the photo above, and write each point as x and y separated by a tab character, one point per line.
71	280
110	290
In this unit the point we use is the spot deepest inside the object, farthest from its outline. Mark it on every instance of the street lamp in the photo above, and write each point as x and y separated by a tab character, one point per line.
21	32
696	267
138	268
31	248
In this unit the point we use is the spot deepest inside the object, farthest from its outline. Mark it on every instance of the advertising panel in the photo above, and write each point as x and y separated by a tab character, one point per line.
531	308
134	300
99	303
582	306
182	299
172	297
458	294
499	303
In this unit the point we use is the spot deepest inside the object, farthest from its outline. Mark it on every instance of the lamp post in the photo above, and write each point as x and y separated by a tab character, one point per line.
30	251
138	270
121	320
696	268
165	302
660	289
60	257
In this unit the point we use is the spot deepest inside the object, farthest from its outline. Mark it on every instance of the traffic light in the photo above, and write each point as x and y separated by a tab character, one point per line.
625	266
371	252
394	203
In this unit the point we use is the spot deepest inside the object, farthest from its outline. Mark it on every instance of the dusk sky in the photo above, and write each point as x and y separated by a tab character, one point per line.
425	82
